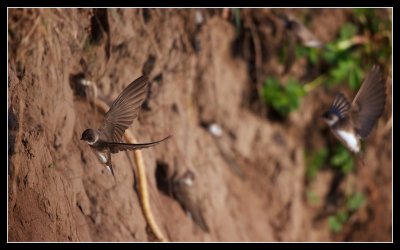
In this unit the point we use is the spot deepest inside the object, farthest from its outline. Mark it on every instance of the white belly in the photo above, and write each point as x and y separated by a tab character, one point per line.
350	140
102	157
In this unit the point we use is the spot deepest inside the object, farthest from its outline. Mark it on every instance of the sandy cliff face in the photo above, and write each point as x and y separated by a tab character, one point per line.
249	183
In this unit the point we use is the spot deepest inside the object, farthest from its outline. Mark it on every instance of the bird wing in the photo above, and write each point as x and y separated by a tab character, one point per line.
115	147
369	103
340	106
125	109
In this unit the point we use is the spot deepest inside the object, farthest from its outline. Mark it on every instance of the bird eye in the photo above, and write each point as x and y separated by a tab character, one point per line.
325	115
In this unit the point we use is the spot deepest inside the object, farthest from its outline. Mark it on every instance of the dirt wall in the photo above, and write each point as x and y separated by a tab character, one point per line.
249	183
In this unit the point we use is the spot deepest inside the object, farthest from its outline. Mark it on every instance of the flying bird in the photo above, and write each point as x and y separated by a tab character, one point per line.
352	122
124	110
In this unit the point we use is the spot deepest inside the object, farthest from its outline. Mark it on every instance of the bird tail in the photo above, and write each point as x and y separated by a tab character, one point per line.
119	146
111	169
197	217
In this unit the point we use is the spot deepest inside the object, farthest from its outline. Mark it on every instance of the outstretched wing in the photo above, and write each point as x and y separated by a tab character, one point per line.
124	109
369	103
340	106
115	147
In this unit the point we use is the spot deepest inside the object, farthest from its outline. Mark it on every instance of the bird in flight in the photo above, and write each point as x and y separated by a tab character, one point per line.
352	122
107	139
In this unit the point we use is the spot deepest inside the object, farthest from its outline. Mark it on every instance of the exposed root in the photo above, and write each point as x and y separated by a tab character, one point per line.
143	191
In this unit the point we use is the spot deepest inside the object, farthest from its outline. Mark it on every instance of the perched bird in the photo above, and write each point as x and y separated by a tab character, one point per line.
303	34
296	33
350	123
184	192
123	111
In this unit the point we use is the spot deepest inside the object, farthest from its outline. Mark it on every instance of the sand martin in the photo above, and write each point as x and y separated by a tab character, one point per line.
185	193
296	33
302	33
350	123
107	140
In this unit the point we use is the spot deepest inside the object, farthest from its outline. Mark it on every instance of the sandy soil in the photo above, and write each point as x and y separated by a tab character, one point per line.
249	183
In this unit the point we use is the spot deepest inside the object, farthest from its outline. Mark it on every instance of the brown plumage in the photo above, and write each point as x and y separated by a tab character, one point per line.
124	110
303	34
121	115
369	103
184	191
296	33
350	123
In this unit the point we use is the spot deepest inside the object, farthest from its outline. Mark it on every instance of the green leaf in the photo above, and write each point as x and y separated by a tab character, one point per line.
341	71
342	216
336	221
301	51
342	159
330	54
283	99
355	201
347	31
312	54
334	225
363	12
355	77
315	161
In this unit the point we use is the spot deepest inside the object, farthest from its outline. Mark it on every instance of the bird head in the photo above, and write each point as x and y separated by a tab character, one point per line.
330	118
90	136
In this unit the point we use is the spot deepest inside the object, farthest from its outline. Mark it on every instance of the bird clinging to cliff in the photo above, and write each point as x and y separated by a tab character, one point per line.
184	192
296	33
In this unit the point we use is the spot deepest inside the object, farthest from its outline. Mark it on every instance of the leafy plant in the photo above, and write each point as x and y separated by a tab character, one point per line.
314	161
312	54
366	40
283	98
342	159
347	31
336	221
355	201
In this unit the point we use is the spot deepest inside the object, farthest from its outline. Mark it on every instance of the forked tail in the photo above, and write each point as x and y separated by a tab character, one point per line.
119	146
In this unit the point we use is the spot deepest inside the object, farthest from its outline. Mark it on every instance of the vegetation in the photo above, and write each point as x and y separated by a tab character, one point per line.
358	45
364	41
283	98
337	221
